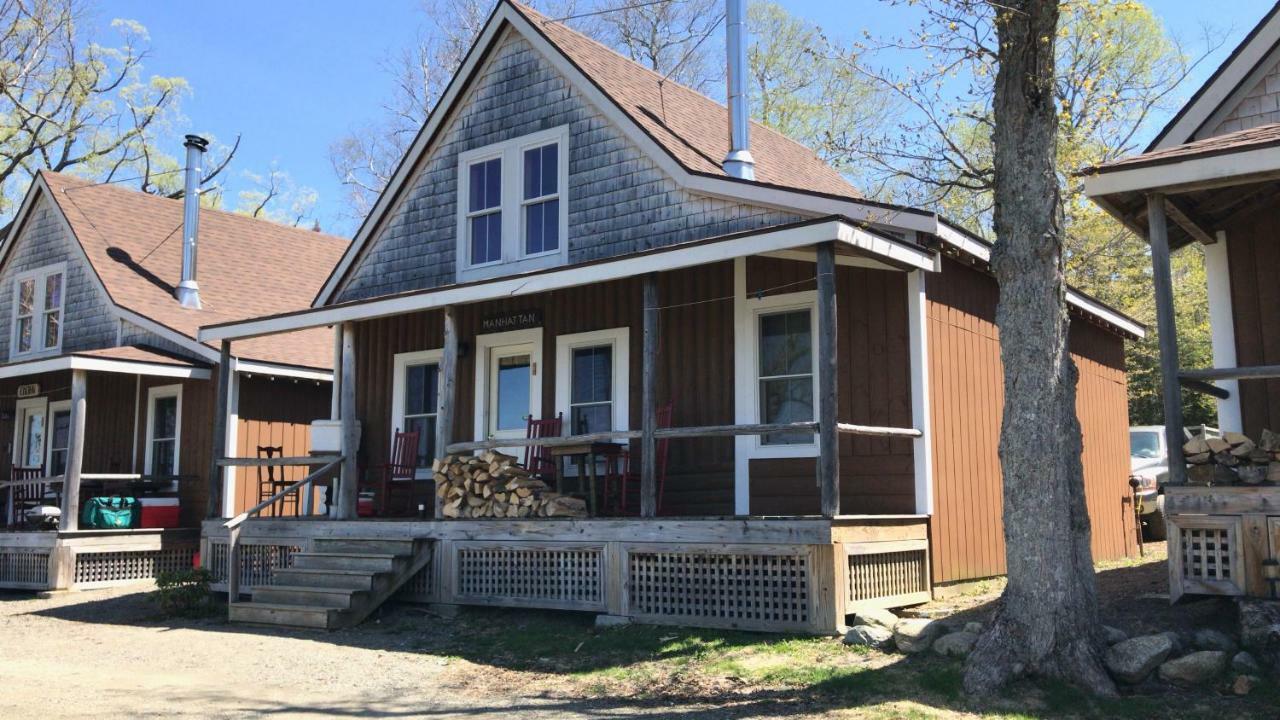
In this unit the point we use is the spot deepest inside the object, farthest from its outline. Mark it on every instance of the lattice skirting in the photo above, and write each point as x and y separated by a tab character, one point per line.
897	574
97	569
24	568
564	576
258	562
419	588
1206	554
735	589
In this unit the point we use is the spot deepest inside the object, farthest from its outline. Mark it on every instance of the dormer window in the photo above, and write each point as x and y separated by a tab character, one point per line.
512	208
38	299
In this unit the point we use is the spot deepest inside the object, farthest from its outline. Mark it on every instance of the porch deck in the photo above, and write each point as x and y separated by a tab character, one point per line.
83	559
764	573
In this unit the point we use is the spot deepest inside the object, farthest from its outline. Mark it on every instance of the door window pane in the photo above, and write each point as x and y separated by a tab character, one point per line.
59	438
786	374
512	392
33	440
164	435
422	387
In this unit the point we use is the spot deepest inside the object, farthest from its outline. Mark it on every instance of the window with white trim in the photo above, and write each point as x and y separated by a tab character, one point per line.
164	430
416	387
38	299
512	205
59	436
592	383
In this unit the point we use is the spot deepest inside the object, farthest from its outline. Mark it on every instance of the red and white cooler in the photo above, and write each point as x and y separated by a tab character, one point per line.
159	512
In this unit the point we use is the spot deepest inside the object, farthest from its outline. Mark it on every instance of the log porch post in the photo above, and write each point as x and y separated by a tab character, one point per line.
828	439
649	401
445	395
349	483
1167	328
70	520
214	507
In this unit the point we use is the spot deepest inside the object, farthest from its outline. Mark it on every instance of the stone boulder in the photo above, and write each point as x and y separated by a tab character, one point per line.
956	644
973	627
1132	660
876	616
1196	668
915	635
1209	639
1246	663
869	635
1260	628
1113	635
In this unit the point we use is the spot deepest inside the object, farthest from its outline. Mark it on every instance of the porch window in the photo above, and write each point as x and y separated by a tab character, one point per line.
786	373
164	427
592	380
512	205
37	310
59	437
416	388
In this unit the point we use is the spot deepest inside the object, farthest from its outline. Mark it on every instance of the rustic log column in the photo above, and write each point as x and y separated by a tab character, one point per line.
70	519
349	483
828	439
214	508
445	395
649	401
1167	328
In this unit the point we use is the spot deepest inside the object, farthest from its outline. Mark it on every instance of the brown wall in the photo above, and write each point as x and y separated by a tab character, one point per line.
275	413
1253	252
966	397
196	441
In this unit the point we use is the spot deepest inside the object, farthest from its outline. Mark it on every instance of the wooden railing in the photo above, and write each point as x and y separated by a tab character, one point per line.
233	525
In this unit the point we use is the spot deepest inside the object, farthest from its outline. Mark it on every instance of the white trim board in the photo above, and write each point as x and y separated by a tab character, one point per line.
127	367
156	393
1222	333
1224	169
253	367
659	260
400	363
921	409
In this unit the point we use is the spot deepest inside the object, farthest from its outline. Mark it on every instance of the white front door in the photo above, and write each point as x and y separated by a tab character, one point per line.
30	427
508	385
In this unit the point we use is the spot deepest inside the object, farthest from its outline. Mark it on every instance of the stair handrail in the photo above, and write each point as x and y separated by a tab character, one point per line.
233	527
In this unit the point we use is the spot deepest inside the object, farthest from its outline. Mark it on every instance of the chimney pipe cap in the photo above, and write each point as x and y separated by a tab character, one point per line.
196	142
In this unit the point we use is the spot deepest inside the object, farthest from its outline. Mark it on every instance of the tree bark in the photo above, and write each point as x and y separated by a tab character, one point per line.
1047	621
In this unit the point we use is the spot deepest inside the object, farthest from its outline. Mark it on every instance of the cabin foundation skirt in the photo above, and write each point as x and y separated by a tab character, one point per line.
1222	539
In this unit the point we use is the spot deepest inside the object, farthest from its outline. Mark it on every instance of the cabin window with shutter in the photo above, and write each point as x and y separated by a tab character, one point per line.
513	205
415	402
785	347
38	300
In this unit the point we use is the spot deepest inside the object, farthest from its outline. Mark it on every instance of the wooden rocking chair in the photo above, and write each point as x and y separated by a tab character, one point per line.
624	479
27	498
393	488
537	458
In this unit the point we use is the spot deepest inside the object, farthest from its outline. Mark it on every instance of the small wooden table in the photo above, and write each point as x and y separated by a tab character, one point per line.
592	450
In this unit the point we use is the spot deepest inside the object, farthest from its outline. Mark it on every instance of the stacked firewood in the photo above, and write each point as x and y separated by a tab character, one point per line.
1232	459
493	484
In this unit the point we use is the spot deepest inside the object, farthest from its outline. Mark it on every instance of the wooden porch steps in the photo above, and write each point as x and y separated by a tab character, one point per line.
336	585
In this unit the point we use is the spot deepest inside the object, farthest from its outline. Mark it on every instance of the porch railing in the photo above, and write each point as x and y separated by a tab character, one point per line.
233	525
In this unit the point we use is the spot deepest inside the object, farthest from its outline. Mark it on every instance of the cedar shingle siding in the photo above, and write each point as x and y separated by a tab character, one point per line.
1260	106
619	201
88	321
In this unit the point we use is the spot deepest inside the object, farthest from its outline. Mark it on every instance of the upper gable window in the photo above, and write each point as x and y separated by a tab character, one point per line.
38	299
513	212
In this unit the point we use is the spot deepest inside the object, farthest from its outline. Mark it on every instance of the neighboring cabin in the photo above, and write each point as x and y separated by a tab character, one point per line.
88	308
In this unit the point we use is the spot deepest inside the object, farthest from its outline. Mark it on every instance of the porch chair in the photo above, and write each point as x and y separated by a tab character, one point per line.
269	485
622	479
537	458
394	484
30	501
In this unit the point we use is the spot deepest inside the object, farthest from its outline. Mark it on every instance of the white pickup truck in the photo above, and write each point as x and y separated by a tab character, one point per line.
1149	467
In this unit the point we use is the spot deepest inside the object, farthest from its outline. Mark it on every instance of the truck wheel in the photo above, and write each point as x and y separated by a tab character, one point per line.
1153	523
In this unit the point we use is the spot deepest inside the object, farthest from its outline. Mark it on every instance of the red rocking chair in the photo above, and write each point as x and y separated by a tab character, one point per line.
537	458
625	480
393	488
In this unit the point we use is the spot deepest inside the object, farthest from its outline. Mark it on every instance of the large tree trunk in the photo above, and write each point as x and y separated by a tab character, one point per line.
1047	620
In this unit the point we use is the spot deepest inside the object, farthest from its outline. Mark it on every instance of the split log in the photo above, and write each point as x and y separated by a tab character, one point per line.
493	484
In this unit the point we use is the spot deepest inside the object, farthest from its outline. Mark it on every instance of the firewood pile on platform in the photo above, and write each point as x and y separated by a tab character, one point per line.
493	484
1233	459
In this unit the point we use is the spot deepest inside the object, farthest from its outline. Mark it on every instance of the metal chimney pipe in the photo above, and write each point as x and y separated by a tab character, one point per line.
188	292
738	163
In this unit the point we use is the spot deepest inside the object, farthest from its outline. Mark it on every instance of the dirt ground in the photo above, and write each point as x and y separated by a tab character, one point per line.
109	653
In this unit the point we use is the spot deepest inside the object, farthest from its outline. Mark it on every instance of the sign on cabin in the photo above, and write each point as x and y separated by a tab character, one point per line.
518	320
29	390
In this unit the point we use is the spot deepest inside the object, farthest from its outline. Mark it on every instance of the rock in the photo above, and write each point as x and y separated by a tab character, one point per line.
1113	635
956	644
915	635
973	627
1208	639
876	616
1132	660
1178	643
1244	684
1195	669
612	621
1245	663
1259	626
869	635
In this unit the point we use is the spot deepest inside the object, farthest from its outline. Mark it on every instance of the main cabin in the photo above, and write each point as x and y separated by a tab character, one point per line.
106	392
796	389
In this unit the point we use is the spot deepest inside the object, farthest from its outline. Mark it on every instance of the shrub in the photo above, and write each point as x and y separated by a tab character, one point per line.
185	593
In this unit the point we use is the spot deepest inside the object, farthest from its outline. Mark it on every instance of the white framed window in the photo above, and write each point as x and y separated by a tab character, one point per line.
164	430
593	380
30	427
38	299
513	212
779	349
59	437
508	386
414	402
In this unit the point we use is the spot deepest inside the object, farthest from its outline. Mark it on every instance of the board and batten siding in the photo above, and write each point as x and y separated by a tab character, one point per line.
619	200
275	413
1252	252
967	397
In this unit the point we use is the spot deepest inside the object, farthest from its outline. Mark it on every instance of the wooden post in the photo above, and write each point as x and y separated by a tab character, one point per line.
349	483
649	401
1167	328
828	439
445	394
214	508
70	520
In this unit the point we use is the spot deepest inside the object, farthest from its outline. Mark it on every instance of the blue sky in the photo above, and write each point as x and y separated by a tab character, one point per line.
291	76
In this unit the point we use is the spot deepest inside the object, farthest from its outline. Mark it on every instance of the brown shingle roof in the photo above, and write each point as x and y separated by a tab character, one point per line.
246	267
1255	138
692	127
